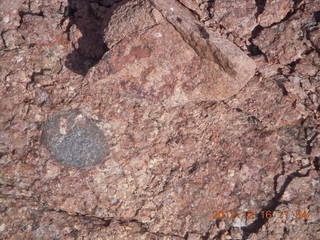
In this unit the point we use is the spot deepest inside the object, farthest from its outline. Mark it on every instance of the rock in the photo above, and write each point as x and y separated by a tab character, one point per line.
236	17
131	17
169	131
200	7
192	5
166	81
276	41
12	39
211	47
274	12
74	140
307	69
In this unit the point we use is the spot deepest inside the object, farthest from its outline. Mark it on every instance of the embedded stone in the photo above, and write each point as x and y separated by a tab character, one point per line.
74	140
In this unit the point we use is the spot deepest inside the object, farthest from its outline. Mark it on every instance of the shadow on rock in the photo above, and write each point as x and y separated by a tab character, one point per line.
91	17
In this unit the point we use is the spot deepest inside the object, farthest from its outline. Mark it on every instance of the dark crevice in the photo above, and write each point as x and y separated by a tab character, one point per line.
256	31
22	14
203	32
29	5
292	66
218	236
296	2
276	177
210	7
280	84
309	144
60	11
105	3
316	163
91	17
3	40
69	11
193	168
253	49
273	203
143	226
34	75
205	236
104	222
316	16
260	6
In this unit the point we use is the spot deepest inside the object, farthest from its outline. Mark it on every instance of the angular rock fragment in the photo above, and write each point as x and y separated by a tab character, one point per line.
208	45
274	11
142	67
174	63
237	17
130	17
285	42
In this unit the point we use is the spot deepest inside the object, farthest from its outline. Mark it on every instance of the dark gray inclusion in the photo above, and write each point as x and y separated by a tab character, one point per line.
83	144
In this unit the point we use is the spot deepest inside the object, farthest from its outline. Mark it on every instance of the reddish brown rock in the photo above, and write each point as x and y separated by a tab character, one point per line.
234	16
274	12
209	46
133	69
192	152
200	7
192	5
129	18
288	41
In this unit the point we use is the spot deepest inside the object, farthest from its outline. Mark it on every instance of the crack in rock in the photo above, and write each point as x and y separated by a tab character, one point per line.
256	226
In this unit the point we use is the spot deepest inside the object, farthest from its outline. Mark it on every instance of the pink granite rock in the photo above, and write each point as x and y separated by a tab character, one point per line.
274	12
201	143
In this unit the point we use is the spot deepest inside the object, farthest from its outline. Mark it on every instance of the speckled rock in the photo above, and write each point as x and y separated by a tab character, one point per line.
236	17
270	16
74	140
277	41
198	145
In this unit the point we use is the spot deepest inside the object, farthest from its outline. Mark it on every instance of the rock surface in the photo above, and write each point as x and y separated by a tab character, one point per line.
74	140
206	112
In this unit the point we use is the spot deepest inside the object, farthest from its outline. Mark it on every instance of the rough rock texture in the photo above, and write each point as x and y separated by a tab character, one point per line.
208	112
268	14
237	17
74	140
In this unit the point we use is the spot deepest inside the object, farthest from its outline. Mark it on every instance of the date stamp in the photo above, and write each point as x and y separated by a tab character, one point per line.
264	214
